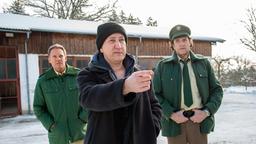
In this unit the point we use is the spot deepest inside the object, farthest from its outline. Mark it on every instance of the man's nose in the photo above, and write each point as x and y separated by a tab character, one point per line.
118	44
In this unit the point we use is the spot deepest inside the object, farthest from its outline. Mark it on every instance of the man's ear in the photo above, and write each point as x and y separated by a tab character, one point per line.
49	60
66	58
171	44
191	43
101	50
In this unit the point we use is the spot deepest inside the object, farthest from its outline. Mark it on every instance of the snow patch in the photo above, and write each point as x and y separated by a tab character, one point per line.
240	90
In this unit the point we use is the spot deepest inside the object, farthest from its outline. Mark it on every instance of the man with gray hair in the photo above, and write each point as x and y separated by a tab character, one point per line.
56	102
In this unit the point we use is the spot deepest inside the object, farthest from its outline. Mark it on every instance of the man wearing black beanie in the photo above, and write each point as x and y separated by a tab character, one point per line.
105	30
118	96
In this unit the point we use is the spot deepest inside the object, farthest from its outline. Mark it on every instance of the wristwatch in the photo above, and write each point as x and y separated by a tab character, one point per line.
207	112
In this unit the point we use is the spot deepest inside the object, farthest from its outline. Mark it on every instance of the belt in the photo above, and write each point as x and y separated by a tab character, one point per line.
188	113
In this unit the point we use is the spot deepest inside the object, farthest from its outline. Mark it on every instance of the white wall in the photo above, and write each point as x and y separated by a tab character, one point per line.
33	73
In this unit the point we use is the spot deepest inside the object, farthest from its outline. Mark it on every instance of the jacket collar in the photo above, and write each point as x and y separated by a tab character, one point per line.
193	57
70	70
98	63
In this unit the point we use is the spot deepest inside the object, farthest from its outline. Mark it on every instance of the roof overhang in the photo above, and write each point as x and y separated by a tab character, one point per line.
24	24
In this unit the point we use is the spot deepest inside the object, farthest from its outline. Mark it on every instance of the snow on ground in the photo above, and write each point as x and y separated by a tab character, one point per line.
241	90
24	129
235	122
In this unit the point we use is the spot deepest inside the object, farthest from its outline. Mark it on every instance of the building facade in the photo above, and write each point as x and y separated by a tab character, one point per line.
24	42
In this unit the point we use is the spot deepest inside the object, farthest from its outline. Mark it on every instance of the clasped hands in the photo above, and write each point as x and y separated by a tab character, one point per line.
197	117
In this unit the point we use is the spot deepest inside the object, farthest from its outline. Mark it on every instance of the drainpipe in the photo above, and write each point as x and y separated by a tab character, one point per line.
137	50
27	75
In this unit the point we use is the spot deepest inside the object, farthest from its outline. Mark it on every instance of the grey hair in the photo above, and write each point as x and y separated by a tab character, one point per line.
56	45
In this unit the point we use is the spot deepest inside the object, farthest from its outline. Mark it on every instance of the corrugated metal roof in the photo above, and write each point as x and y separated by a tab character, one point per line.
28	23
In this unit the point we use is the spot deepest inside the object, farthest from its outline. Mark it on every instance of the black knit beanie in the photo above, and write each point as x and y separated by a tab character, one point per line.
105	30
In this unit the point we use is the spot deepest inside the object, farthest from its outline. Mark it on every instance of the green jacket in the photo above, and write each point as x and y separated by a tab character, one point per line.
167	87
56	101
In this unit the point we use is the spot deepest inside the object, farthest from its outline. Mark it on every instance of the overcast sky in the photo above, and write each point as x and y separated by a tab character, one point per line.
215	18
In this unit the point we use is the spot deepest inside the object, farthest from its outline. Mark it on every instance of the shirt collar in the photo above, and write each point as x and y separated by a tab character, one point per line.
58	73
180	59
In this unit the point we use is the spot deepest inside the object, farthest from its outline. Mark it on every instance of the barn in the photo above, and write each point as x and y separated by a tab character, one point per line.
24	41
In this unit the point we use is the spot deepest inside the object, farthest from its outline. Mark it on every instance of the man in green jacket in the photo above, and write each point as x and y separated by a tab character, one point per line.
188	91
56	100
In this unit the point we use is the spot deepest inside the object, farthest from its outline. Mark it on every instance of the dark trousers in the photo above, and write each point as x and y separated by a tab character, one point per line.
190	134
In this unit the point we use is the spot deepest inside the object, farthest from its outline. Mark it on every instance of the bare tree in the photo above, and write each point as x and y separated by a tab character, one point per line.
71	9
245	70
250	26
241	73
219	65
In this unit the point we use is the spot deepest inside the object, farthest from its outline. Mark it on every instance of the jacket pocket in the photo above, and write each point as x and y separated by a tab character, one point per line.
57	135
170	128
207	125
202	74
72	83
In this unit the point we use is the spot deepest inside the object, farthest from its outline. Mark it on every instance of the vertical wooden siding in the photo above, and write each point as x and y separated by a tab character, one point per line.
78	44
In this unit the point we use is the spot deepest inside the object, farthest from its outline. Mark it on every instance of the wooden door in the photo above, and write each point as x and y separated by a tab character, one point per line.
9	82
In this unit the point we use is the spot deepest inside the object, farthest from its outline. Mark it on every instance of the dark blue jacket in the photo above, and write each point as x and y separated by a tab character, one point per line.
113	117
